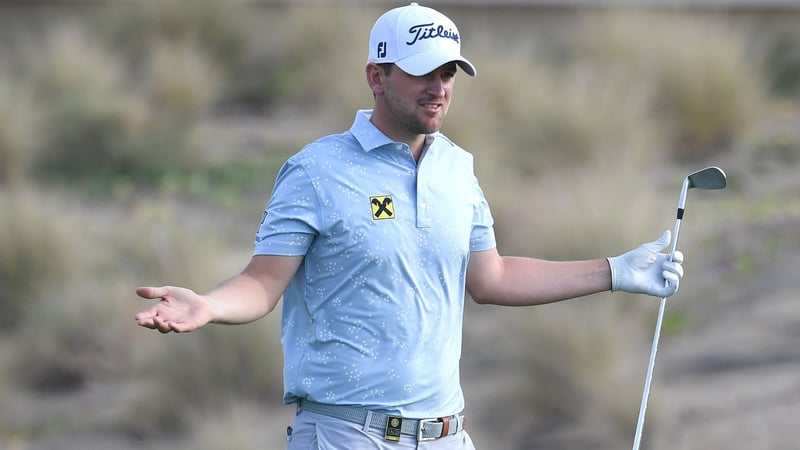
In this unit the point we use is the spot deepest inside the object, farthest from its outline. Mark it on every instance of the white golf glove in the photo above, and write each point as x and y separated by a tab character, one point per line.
645	270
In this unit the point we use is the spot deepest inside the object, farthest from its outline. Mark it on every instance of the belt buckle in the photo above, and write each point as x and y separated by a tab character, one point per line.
421	424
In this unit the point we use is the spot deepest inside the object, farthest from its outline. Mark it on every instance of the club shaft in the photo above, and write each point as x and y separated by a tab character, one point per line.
657	335
646	393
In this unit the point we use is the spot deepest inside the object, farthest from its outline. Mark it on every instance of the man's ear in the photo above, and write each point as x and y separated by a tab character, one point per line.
375	78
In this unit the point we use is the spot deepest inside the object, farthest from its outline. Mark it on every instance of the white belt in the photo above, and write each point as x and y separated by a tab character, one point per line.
422	429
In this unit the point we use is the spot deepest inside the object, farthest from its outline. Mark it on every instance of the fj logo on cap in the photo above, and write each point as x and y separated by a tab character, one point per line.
382	207
382	49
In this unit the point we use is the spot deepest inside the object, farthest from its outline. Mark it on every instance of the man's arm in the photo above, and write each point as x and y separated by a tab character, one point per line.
241	299
517	281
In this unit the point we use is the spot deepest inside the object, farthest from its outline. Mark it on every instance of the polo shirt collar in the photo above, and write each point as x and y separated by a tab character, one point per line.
370	137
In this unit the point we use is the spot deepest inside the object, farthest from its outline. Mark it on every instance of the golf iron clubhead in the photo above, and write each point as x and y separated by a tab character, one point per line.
709	178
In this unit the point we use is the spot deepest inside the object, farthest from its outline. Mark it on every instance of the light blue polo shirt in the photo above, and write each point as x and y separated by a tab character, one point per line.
373	317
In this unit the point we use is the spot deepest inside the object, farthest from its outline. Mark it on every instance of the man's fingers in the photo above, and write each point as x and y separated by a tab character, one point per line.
673	267
180	327
151	292
671	277
161	324
662	242
145	319
673	281
156	322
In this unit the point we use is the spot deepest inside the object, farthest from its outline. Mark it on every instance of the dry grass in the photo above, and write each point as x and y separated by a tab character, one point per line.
311	60
104	117
707	97
35	253
181	79
19	127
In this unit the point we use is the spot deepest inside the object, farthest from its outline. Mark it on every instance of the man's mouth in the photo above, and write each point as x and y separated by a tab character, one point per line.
431	107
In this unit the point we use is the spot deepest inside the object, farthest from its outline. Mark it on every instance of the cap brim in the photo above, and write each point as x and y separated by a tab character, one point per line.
425	63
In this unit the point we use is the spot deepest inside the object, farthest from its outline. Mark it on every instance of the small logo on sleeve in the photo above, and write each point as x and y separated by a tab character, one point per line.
382	207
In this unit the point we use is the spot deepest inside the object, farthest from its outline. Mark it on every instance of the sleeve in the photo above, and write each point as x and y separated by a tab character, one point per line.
482	237
291	219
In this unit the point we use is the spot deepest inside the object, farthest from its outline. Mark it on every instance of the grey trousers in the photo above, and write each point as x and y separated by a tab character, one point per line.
313	431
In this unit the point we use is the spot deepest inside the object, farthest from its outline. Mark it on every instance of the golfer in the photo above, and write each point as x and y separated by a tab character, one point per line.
373	237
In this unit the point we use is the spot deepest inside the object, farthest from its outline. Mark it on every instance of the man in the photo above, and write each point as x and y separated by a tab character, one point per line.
373	237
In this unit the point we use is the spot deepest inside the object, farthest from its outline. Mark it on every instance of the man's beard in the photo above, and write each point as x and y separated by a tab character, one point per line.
407	117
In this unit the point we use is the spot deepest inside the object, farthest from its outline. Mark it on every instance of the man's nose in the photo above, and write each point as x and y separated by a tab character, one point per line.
436	87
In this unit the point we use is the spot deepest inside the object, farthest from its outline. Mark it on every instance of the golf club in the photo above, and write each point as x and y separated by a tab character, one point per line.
706	179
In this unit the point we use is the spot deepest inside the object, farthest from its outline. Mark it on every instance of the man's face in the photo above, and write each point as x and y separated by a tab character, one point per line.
418	105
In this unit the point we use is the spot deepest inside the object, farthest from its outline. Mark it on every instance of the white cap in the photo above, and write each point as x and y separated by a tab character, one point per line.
417	39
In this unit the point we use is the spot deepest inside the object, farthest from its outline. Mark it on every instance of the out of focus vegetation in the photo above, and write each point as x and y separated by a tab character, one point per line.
139	140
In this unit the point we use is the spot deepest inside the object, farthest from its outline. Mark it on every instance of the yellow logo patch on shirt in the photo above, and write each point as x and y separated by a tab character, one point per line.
382	207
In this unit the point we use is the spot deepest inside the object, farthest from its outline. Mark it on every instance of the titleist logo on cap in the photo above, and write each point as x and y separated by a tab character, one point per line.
428	31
